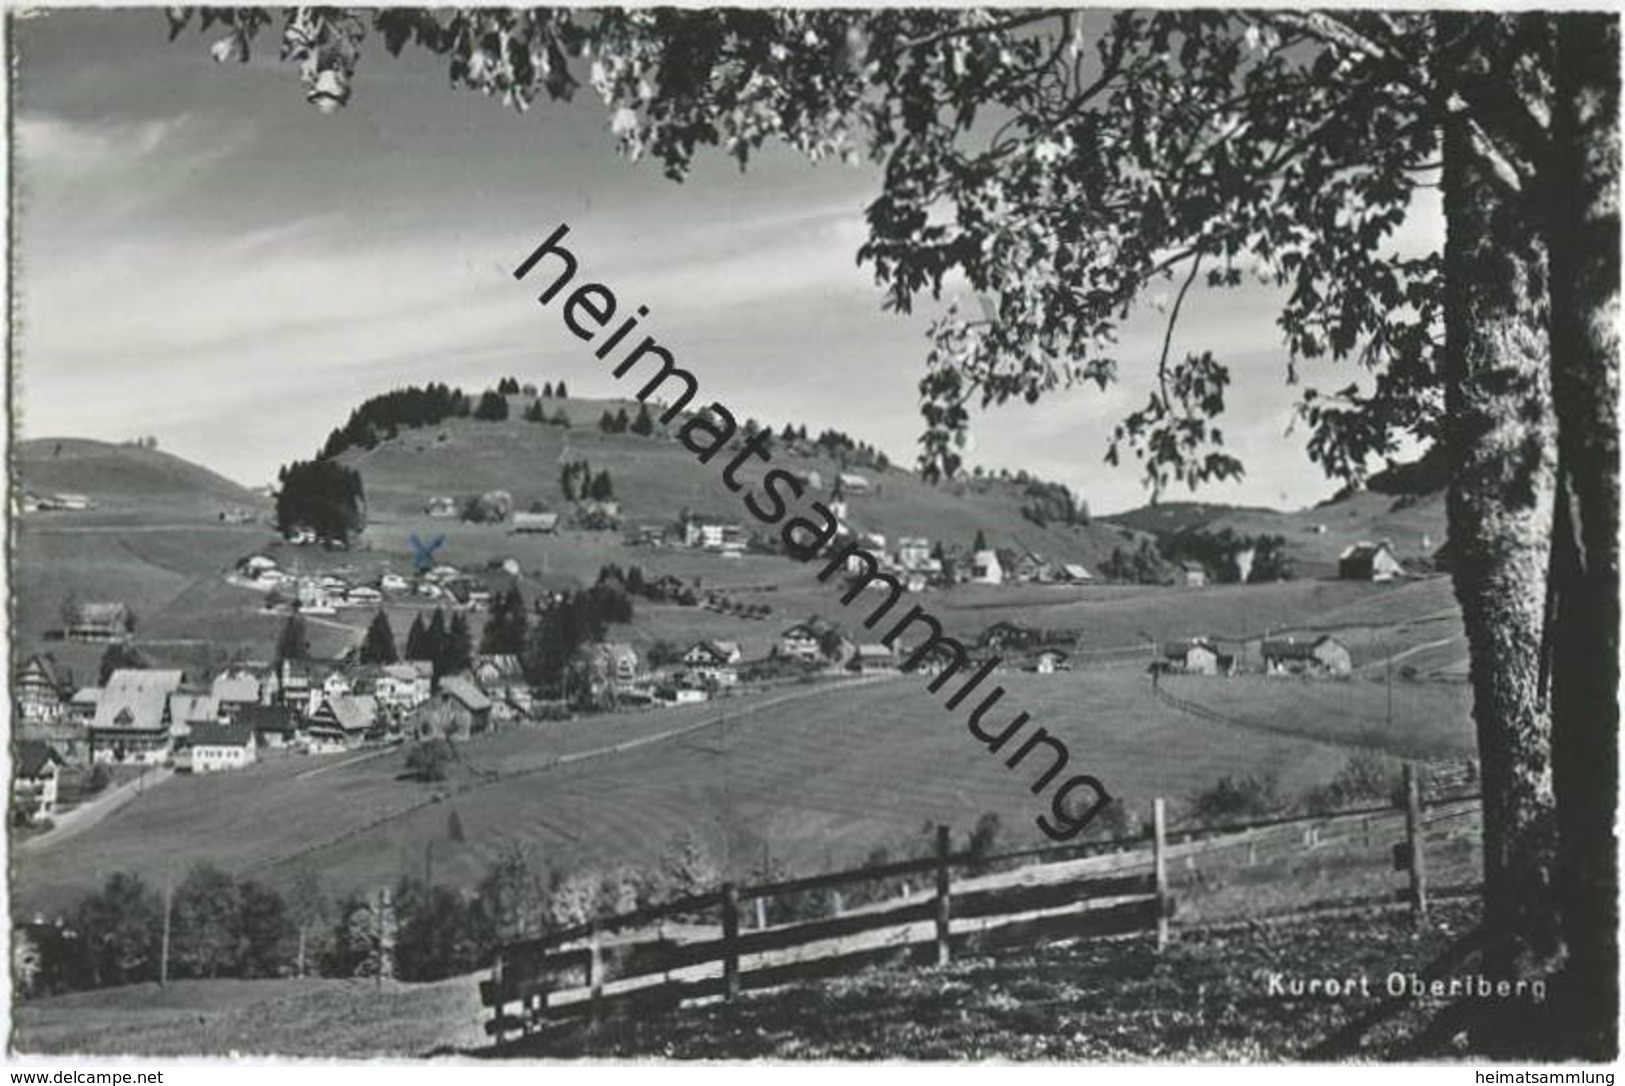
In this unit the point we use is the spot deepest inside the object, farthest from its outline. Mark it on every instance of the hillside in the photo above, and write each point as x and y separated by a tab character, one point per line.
656	478
121	479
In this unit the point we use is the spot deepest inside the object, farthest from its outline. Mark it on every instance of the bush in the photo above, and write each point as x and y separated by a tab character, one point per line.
100	777
1365	778
1236	798
429	760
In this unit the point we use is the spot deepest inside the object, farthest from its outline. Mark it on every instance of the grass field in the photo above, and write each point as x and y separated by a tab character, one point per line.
814	777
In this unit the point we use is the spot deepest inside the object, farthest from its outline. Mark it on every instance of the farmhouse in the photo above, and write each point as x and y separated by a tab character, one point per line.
457	711
81	708
441	506
39	691
393	582
362	595
1030	567
341	722
132	718
713	662
212	748
274	726
1369	562
873	659
1192	574
1073	573
502	678
256	564
100	622
1194	657
799	642
1323	656
188	708
34	779
913	552
536	523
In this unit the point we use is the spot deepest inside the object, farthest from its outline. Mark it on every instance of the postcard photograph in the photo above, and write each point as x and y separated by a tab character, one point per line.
1068	534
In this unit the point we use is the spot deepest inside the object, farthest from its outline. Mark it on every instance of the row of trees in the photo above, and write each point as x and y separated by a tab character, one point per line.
449	645
382	417
1218	552
537	412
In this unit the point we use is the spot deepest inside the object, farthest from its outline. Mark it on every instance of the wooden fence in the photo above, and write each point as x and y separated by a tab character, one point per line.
658	957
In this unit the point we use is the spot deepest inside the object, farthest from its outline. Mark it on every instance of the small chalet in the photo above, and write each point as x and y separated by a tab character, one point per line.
81	708
1323	656
1369	562
362	595
188	709
213	748
913	552
1192	574
41	691
1073	573
713	662
853	483
34	779
502	679
1029	567
799	642
441	506
132	718
274	726
393	582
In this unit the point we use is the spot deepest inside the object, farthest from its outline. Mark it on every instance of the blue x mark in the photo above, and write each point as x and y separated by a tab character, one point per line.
423	560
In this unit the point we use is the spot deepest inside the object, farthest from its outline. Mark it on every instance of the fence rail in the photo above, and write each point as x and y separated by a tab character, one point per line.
641	959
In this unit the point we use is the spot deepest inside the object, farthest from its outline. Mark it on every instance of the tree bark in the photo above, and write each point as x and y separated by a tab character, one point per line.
1582	203
1501	435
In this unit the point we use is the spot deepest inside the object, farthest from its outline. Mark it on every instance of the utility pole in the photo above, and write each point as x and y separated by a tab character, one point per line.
163	951
1388	674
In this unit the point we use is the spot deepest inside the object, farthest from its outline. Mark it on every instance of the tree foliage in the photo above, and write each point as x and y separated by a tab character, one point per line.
378	647
322	496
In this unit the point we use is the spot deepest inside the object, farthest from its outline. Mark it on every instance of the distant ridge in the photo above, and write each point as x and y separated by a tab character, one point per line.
119	476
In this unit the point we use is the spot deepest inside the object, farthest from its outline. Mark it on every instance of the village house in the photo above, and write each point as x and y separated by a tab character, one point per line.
616	663
713	662
288	684
1073	573
535	523
456	711
100	622
1320	657
188	709
393	582
502	678
873	658
441	506
649	535
214	748
1192	574
913	552
34	779
341	722
256	565
1369	562
1194	657
403	686
1029	567
274	726
81	708
799	642
234	688
40	691
680	694
985	568
132	718
65	503
362	595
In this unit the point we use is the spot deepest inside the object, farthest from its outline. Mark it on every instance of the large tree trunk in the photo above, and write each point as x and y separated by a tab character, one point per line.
1582	202
1501	435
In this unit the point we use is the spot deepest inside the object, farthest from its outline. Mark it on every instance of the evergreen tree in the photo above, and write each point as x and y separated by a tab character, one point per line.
981	541
415	644
606	421
602	489
547	391
643	425
323	496
379	645
561	392
622	421
506	631
457	651
293	644
434	640
493	407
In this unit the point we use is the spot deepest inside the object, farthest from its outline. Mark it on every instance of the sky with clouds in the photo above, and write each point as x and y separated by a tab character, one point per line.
203	257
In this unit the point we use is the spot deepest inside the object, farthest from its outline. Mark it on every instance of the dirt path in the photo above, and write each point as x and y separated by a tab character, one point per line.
70	824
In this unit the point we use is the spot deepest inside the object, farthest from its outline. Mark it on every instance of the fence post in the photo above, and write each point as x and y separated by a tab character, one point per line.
730	941
1159	862
944	905
595	969
1413	837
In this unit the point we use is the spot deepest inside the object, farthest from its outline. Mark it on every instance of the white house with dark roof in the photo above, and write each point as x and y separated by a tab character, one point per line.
214	748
